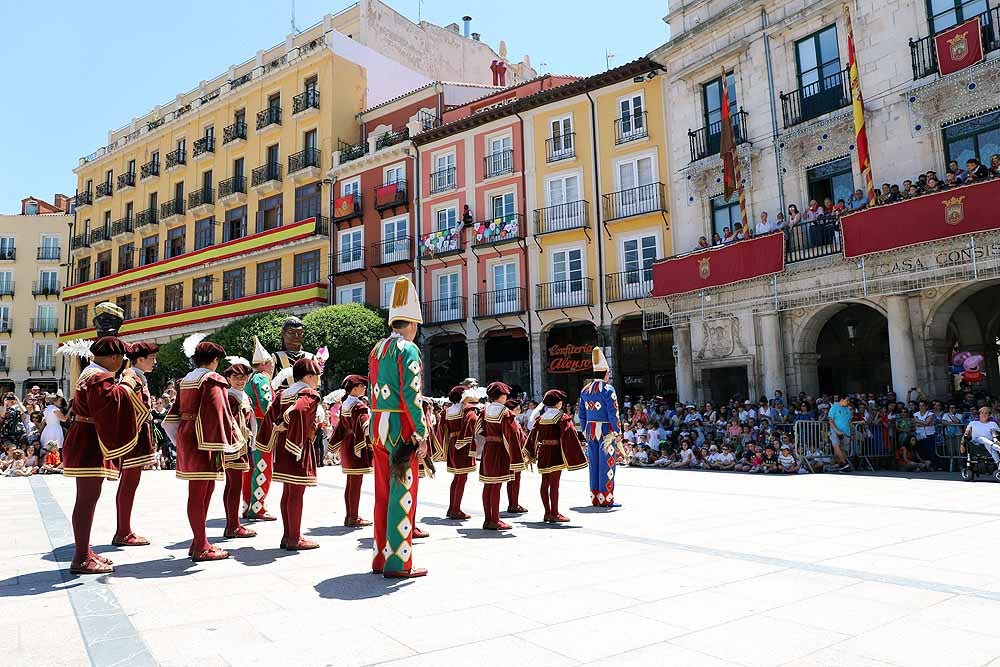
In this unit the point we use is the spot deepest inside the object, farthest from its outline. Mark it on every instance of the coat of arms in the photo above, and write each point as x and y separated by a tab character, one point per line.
704	270
958	46
954	210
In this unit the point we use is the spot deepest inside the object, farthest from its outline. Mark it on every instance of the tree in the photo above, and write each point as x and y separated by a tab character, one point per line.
349	331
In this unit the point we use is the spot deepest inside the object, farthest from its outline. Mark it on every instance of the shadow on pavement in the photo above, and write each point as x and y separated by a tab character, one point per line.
536	525
37	583
64	553
590	509
480	534
359	586
366	544
161	568
255	556
331	531
442	521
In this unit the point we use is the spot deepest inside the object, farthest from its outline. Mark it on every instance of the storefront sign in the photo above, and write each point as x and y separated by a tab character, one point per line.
570	358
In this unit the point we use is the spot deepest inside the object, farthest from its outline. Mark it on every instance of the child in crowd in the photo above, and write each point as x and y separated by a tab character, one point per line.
685	456
786	462
723	460
640	457
770	462
52	463
817	459
908	458
17	467
665	459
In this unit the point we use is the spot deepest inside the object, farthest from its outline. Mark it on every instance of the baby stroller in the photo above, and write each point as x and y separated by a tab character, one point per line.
978	461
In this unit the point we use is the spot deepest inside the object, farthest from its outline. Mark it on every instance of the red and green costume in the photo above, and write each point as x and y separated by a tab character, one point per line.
257	481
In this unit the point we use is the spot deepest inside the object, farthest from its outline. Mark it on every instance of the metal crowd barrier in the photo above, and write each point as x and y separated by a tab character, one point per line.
871	441
811	436
948	442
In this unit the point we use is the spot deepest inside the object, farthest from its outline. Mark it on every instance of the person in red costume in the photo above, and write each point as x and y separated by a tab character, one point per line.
202	426
350	438
109	417
288	431
500	458
556	446
455	431
514	488
236	465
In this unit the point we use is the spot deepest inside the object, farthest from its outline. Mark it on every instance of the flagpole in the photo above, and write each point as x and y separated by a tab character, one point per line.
731	175
858	104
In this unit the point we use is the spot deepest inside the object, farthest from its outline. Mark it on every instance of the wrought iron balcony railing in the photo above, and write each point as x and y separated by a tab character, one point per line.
351	258
201	197
203	145
176	158
85	198
565	293
171	208
628	285
392	251
42	364
443	180
99	234
234	132
80	241
923	54
443	242
631	127
126	180
707	140
6	326
264	173
497	303
269	116
43	325
149	169
499	163
350	152
233	185
49	252
305	100
635	201
391	138
8	254
817	238
502	229
347	207
303	159
103	189
45	288
443	311
122	226
561	147
7	288
149	216
815	99
571	215
391	194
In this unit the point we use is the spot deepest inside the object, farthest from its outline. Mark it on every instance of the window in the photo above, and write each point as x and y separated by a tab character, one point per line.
206	186
309	143
44	357
351	187
210	135
308	202
108	177
7	247
443	177
240	117
129	211
204	233
561	137
311	82
48	281
394	174
944	14
179	197
238	169
631	118
506	295
79	318
175	242
834	180
45	317
154	158
449	304
975	138
103	266
636	190
561	196
50	247
307	268
273	158
82	275
725	214
233	284
395	242
269	215
131	167
4	317
274	101
386	288
350	257
236	224
502	206
150	250
153	199
173	298
107	222
31	208
500	158
567	277
201	291
638	255
351	294
125	303
4	353
446	218
126	256
820	74
181	143
712	97
269	276
147	303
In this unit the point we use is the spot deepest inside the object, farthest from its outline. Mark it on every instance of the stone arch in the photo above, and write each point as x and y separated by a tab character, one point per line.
809	330
962	314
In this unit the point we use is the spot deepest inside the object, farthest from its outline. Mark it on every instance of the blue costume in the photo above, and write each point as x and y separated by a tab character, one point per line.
598	417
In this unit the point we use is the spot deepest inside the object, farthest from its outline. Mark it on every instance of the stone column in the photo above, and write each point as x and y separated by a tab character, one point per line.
606	339
538	356
774	357
477	361
901	357
684	369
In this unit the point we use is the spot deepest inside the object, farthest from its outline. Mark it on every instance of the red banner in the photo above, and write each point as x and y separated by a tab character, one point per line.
343	206
387	194
720	265
959	47
942	215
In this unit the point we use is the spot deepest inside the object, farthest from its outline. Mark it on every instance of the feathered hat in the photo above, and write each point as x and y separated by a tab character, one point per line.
474	393
260	355
600	361
77	347
335	396
405	304
190	343
238	366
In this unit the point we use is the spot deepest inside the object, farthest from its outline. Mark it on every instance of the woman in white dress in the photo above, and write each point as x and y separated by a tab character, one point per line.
54	418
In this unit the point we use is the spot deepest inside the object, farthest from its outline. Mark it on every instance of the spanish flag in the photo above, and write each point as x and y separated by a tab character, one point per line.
861	137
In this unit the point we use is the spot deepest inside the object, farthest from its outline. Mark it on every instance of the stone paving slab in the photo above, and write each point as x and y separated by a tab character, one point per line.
697	569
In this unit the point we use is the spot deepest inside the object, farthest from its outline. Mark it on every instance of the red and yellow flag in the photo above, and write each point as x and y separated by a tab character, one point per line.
731	178
861	136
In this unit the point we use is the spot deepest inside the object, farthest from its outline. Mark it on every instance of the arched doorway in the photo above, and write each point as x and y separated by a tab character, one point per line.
853	352
973	331
505	357
447	363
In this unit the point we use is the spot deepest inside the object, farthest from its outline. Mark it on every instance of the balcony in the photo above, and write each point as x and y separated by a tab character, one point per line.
444	311
647	198
122	226
443	180
85	198
923	54
170	210
146	218
391	195
234	133
628	285
815	99
442	243
347	207
149	170
349	152
561	217
809	240
266	178
392	251
631	128
103	190
562	147
176	158
43	325
322	225
7	288
203	147
6	326
99	235
499	163
49	253
45	288
566	294
126	180
269	118
707	141
201	201
80	241
350	259
8	254
305	101
391	138
233	190
304	165
503	229
498	303
4	364
46	364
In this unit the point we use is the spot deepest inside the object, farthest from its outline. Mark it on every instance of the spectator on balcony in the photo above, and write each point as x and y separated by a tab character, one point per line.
716	239
859	200
467	216
813	212
839	207
949	181
702	243
913	191
933	185
975	170
959	173
780	224
727	235
827	206
995	165
921	182
738	233
794	217
764	226
882	196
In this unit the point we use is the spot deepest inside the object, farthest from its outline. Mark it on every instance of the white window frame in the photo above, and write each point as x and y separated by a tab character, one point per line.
386	299
356	257
499	165
4	351
48	307
401	166
54	239
351	288
55	281
394	251
8	241
5	309
640	286
567	217
48	356
435	159
6	279
634	132
447	311
506	302
567	297
350	185
641	201
563	151
444	207
502	192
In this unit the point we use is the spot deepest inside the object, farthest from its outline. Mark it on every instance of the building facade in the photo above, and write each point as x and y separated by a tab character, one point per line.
826	323
33	244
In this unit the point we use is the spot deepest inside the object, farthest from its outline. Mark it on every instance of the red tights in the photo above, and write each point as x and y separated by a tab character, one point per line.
231	495
199	496
457	491
352	496
88	491
513	489
127	484
291	512
550	492
491	503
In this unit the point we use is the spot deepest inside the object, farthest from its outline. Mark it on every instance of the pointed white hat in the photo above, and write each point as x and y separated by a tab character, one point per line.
600	361
405	304
260	355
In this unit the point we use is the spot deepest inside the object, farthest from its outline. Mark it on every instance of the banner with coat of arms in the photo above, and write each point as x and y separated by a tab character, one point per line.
720	265
344	206
954	212
959	47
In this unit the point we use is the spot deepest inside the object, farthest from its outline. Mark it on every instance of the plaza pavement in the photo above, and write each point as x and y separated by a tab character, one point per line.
697	569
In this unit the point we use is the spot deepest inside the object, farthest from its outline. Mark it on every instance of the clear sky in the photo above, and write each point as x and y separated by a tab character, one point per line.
74	70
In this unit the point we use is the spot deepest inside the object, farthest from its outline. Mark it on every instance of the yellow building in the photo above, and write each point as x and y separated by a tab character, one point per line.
32	246
214	206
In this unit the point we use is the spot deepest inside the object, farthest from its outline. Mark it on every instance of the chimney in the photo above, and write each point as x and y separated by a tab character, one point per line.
62	202
475	36
467	23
